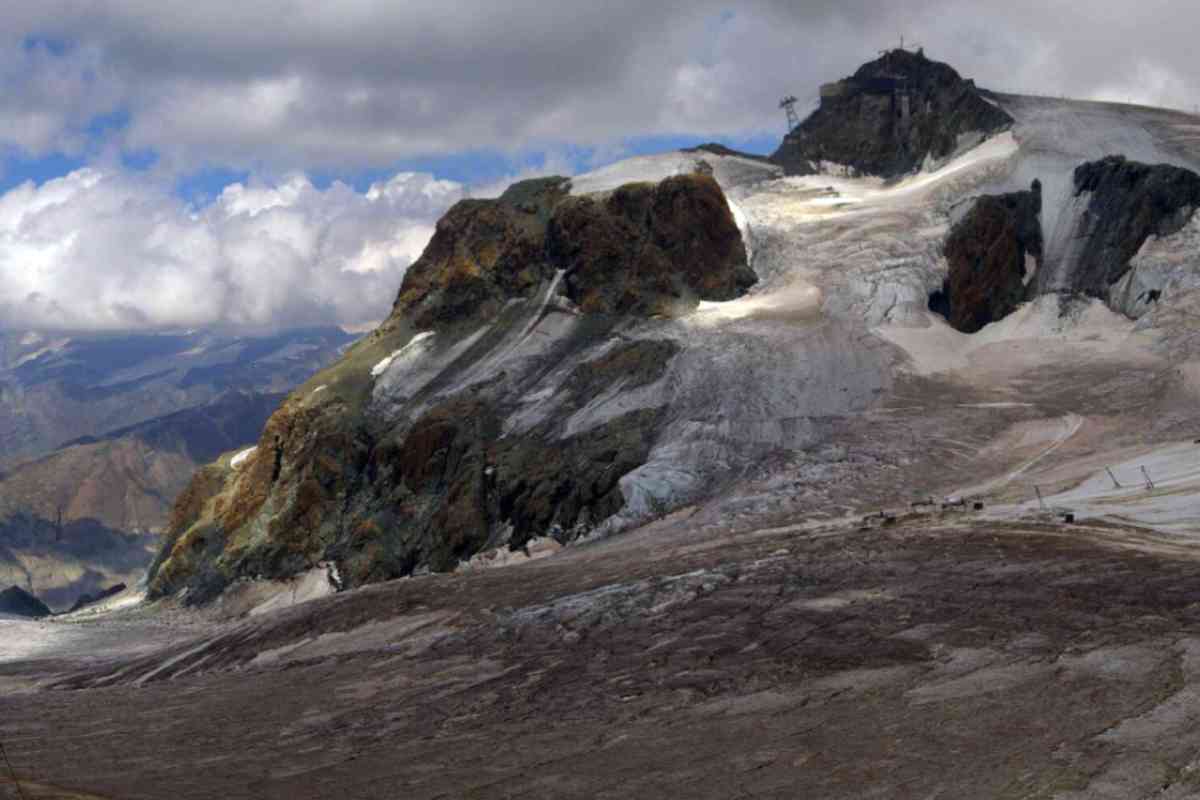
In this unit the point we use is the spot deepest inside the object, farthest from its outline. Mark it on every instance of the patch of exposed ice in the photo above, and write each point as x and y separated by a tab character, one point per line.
743	226
409	374
855	193
134	595
1169	265
321	581
1168	502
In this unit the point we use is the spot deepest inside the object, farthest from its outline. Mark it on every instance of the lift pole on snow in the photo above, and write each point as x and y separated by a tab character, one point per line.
1116	484
1149	483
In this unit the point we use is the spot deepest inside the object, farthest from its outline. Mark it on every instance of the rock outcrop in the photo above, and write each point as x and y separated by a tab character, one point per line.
475	416
1165	270
889	117
989	253
1127	202
17	602
639	249
483	253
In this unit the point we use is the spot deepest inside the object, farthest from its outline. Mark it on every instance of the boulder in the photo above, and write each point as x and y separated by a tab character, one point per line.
988	252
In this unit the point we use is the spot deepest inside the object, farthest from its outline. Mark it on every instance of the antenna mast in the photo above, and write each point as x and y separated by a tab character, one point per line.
788	104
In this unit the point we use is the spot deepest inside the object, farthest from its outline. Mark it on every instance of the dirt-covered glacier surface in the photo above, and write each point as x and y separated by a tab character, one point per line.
939	656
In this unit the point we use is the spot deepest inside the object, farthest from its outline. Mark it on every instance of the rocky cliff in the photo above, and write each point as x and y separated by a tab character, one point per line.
995	253
475	416
1124	203
992	253
890	117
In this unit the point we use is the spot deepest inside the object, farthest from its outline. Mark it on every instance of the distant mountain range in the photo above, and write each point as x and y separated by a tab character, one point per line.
98	433
55	389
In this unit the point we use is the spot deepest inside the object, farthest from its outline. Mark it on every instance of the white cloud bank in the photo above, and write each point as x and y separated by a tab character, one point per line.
110	250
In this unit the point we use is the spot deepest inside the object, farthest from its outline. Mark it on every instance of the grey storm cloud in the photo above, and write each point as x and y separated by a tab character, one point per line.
359	84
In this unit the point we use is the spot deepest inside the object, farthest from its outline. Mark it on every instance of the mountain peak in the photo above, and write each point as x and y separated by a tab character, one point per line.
16	601
890	117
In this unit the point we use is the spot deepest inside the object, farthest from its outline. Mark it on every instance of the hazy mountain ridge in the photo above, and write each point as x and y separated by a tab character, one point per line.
59	388
86	515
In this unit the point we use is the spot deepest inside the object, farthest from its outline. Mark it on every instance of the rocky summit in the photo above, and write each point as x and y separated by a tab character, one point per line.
891	117
17	602
642	248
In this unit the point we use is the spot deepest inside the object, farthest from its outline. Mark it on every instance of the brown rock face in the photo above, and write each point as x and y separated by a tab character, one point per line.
648	247
483	253
987	253
427	494
641	249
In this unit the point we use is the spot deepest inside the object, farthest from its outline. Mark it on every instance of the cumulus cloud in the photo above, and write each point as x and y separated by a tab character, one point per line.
110	250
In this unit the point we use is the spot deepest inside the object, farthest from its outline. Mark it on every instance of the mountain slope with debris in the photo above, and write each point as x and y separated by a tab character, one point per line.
573	360
495	406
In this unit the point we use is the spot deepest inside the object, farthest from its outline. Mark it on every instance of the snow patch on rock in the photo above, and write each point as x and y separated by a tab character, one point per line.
240	458
410	350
